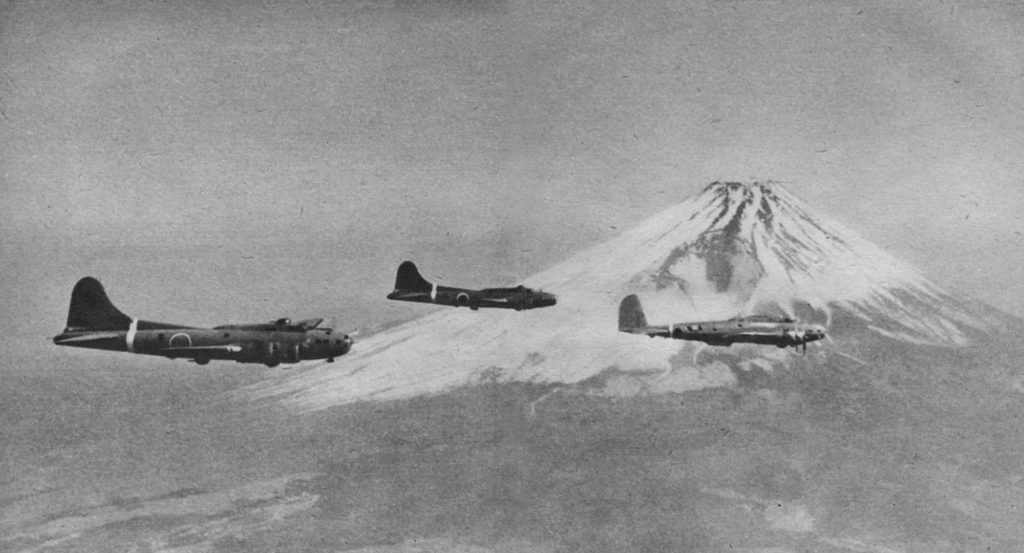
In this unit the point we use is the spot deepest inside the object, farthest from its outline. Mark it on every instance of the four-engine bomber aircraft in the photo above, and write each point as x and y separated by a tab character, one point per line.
94	322
757	329
410	286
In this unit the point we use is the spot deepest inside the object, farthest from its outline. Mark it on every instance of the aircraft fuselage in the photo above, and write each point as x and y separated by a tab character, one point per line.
503	298
411	286
269	346
726	333
757	329
94	323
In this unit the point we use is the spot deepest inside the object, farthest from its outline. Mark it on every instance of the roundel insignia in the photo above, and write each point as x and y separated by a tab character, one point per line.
180	340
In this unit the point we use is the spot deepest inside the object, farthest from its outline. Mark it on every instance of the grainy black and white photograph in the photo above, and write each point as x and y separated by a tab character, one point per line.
500	276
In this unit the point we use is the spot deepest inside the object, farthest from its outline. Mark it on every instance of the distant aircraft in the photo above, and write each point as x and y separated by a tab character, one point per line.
94	322
758	329
410	286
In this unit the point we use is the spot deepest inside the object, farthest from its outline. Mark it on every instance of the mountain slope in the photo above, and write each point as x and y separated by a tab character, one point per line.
735	248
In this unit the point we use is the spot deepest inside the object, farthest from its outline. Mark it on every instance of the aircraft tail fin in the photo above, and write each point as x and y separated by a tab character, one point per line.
631	314
409	278
91	309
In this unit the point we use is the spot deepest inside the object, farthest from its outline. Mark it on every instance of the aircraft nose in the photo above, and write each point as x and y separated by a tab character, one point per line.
550	299
346	344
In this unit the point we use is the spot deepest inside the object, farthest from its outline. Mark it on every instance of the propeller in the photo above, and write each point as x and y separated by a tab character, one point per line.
332	323
697	351
840	352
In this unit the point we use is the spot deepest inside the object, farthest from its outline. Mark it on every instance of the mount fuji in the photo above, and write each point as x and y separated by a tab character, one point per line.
733	249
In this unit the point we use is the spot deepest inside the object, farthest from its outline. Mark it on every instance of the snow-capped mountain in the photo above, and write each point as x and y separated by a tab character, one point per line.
750	247
734	249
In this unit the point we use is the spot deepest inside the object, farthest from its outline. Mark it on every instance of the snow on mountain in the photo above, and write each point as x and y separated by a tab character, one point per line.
734	249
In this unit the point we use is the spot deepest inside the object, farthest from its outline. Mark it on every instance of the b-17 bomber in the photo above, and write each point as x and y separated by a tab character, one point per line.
94	322
757	329
411	286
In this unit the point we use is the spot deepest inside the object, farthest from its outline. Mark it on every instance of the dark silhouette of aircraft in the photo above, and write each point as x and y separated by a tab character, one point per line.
757	329
410	286
94	322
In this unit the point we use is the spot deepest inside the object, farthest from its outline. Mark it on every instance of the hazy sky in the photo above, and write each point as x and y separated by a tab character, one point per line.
219	162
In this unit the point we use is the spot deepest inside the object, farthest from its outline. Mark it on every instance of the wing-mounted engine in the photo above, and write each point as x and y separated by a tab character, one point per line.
796	338
293	354
272	354
523	301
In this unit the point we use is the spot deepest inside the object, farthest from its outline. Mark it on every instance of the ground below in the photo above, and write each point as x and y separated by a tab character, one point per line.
838	457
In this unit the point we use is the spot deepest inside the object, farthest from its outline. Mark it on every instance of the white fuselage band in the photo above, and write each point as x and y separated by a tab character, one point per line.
433	293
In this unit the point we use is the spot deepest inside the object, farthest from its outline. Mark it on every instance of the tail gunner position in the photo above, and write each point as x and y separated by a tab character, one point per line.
94	322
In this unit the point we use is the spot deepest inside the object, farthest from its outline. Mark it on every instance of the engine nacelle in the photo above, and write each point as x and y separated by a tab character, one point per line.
795	337
525	303
271	354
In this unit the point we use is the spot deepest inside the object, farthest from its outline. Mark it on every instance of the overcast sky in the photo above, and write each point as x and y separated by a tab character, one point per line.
219	162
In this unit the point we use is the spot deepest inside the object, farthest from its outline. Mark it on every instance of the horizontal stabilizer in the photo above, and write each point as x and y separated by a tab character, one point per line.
89	337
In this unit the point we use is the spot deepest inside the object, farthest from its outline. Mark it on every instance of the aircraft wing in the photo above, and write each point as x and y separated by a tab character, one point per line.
227	348
775	333
499	292
651	331
497	299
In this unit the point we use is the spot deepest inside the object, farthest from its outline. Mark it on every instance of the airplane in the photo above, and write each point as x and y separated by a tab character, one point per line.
411	286
94	322
757	329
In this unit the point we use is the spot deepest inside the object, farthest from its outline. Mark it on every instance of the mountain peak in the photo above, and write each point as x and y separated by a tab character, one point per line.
745	188
755	246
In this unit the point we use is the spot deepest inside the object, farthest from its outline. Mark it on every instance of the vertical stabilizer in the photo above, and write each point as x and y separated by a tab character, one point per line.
631	315
409	279
91	309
